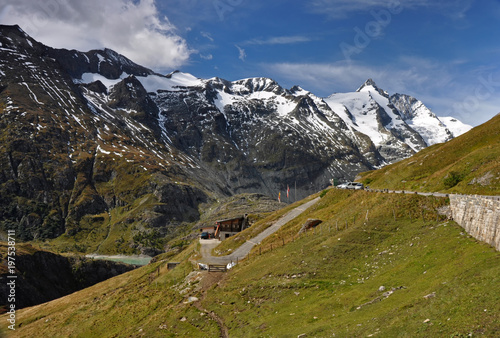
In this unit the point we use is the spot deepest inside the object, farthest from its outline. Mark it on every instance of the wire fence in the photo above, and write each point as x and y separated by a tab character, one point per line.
334	226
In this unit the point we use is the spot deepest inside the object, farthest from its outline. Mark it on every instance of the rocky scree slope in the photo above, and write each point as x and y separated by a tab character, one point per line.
94	140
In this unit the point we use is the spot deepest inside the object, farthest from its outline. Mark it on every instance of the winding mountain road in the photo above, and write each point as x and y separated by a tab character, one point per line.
208	244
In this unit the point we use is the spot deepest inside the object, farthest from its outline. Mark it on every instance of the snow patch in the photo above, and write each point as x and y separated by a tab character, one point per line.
363	113
99	149
92	77
456	127
152	83
222	100
32	95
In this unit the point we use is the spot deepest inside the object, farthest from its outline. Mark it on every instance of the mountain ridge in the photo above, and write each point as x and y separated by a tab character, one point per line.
94	143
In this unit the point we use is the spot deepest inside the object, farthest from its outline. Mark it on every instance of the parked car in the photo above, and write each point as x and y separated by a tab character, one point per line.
355	186
205	235
351	185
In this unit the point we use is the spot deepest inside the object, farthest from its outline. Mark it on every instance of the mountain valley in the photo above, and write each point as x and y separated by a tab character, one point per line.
97	150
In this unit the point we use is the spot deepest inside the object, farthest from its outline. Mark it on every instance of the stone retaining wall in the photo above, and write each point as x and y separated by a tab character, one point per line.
479	216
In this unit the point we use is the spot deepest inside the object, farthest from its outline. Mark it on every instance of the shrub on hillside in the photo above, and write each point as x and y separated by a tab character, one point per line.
452	179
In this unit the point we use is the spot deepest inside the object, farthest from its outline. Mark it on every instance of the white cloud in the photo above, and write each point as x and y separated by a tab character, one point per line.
242	55
338	9
207	36
407	75
207	57
325	77
133	28
278	40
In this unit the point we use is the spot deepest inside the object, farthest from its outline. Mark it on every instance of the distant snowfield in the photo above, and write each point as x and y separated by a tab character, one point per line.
362	113
455	126
152	83
357	109
92	77
362	106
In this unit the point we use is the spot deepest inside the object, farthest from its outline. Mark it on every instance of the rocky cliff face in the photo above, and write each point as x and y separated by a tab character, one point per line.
103	150
67	166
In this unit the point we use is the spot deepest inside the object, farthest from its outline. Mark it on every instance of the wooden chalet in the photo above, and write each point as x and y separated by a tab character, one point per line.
231	226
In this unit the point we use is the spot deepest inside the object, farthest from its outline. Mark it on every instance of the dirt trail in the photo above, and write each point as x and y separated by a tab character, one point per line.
208	280
224	333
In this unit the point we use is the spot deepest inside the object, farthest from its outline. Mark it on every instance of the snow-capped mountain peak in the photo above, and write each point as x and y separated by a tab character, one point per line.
421	119
370	85
298	91
93	131
390	121
254	124
255	85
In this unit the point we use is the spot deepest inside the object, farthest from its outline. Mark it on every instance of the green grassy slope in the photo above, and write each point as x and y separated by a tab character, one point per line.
144	302
42	276
469	164
323	283
234	242
114	232
327	282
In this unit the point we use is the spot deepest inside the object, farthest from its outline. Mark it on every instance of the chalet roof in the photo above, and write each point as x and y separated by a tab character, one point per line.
229	219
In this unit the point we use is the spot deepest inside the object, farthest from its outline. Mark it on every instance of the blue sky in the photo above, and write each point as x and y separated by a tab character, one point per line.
445	53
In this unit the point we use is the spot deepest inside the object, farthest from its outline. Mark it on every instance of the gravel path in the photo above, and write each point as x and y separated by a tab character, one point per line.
244	249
